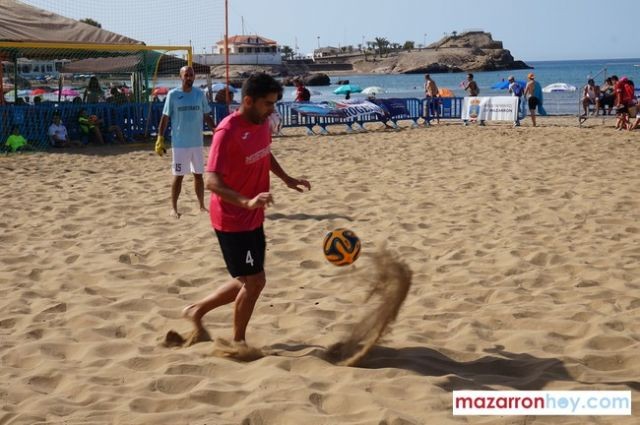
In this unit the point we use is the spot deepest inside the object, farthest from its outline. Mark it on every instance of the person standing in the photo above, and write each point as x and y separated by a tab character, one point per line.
474	91
237	174
530	93
186	106
433	96
472	86
93	93
516	91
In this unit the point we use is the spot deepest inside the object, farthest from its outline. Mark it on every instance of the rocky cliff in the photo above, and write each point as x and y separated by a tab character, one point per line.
470	51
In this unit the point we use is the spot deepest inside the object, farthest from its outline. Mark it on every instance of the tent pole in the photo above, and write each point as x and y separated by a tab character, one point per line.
1	82
146	75
15	77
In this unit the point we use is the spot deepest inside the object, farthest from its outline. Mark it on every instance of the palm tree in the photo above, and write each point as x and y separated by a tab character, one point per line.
287	52
382	44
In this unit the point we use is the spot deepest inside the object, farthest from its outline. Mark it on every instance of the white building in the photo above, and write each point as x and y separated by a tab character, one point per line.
243	50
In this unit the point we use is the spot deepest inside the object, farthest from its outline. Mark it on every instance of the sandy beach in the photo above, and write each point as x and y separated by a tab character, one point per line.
523	246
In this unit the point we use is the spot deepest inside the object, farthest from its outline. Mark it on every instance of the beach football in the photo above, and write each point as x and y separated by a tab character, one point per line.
341	247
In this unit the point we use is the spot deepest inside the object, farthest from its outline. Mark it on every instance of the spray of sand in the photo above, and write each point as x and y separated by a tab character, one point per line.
388	290
389	287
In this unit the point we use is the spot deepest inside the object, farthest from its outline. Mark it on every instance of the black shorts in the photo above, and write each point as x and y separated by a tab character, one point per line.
533	103
243	252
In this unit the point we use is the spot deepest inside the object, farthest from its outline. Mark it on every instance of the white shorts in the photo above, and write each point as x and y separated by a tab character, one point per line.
183	157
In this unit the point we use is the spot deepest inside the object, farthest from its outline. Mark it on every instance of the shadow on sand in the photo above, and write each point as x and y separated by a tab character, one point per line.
520	371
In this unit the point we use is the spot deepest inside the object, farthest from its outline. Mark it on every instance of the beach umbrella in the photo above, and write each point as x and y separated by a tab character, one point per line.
558	87
67	92
160	91
503	85
373	90
445	93
343	89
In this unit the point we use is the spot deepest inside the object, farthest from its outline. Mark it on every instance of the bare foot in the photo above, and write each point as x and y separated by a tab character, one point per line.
189	313
174	214
203	209
199	333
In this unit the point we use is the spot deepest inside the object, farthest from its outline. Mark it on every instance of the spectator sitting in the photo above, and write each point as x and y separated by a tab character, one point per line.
302	93
607	96
16	142
591	96
58	136
91	127
117	97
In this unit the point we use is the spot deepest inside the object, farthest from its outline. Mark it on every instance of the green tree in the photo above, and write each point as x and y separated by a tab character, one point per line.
382	44
408	45
287	52
91	22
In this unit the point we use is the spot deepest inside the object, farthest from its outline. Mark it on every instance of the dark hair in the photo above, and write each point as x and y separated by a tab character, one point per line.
615	77
470	75
260	85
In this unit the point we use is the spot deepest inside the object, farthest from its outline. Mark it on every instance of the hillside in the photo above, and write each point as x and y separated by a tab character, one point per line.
470	51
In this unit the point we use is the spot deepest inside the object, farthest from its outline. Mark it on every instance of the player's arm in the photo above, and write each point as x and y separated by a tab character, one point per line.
164	123
291	182
209	121
215	183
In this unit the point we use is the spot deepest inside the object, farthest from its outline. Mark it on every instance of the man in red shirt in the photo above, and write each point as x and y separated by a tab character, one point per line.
237	174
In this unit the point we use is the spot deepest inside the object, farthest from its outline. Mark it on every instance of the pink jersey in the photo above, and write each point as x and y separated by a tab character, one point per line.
241	154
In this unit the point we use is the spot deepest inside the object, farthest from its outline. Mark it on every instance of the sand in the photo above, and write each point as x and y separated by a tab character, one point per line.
522	247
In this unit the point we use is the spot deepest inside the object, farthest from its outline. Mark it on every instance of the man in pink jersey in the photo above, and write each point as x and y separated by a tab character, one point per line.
237	174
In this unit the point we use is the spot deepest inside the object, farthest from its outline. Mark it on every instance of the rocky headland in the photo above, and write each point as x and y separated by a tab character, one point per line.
471	51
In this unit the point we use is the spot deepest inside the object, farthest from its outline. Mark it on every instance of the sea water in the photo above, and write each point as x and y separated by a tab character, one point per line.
575	73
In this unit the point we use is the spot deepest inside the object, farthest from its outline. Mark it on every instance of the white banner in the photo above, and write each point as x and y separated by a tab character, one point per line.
499	108
576	403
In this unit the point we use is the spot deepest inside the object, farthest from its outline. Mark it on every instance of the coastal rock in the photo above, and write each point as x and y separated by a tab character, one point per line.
470	51
318	79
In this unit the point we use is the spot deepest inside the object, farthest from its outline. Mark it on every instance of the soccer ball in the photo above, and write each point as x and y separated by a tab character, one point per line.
341	247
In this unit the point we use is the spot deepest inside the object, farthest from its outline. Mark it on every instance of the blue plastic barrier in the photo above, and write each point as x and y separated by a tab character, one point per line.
139	119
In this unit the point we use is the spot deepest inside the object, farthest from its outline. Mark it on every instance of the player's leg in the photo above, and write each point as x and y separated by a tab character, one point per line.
197	168
179	163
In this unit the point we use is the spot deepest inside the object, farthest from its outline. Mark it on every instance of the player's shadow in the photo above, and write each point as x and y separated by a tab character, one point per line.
520	371
301	216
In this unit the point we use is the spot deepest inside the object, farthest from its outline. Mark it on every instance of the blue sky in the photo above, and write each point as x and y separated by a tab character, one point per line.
539	30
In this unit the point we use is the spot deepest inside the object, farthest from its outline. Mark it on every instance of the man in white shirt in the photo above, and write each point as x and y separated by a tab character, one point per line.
58	136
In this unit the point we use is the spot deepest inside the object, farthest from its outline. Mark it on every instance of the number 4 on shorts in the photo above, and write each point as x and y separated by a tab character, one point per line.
249	259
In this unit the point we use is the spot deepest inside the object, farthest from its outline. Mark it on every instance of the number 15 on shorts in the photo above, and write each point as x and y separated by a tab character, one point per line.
249	258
